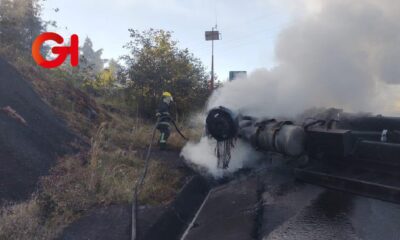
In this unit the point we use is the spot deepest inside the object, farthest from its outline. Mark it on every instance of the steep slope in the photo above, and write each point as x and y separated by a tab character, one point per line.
26	151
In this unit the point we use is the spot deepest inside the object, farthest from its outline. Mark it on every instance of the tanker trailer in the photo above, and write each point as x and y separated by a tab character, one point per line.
349	152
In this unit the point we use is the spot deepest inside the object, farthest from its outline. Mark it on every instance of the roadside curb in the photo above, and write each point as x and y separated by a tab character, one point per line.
181	211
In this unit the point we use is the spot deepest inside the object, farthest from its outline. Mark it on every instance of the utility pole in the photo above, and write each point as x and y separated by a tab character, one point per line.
212	36
212	64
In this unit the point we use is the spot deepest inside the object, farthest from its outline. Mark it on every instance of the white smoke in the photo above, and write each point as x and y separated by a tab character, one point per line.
202	154
344	55
341	53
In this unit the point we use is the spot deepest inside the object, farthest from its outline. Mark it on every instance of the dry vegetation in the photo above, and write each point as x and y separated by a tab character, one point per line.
19	221
102	173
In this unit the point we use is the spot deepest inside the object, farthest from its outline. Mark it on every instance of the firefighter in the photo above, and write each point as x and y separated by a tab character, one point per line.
164	119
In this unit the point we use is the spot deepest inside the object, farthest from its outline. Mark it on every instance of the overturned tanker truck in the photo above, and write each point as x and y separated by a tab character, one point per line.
349	152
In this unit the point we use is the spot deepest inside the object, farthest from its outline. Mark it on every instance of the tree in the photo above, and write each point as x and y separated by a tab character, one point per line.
91	67
156	64
20	24
105	80
117	71
108	77
91	59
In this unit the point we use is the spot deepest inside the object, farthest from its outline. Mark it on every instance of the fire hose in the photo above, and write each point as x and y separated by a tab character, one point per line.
140	181
178	131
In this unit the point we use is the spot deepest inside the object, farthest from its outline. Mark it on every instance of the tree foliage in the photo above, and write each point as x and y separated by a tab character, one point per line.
156	64
20	23
90	58
108	79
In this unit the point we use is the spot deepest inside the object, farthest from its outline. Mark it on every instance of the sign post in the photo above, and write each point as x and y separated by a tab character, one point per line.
237	74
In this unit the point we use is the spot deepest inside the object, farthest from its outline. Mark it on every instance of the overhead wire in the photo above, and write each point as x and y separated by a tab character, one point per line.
249	37
200	42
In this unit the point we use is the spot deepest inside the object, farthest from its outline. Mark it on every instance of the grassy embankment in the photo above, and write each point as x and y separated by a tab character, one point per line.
102	173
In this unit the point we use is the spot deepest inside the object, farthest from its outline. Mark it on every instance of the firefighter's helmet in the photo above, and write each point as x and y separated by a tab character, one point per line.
167	94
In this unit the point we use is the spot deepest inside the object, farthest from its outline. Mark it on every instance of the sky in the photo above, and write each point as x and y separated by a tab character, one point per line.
249	29
347	50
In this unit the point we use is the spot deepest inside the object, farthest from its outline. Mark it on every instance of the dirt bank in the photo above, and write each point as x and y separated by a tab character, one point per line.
26	151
